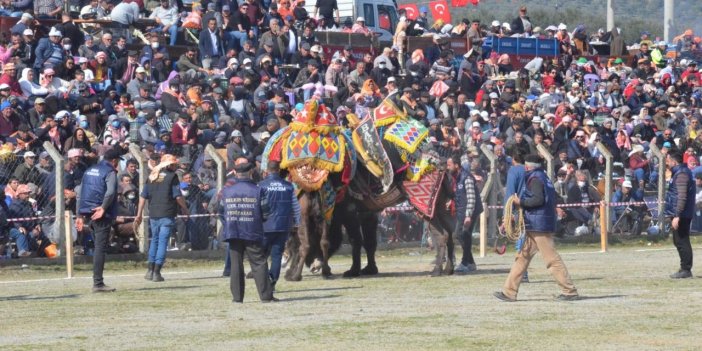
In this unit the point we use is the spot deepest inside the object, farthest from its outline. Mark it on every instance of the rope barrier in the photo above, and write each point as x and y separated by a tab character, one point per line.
22	219
595	204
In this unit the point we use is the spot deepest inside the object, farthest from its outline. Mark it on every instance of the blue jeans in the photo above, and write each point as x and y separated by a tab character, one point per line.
20	239
172	30
161	229
274	245
640	175
233	36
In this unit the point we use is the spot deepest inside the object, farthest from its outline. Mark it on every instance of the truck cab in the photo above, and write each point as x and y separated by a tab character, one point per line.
380	15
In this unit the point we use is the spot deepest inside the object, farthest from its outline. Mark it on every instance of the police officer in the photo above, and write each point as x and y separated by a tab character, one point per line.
538	200
680	206
165	197
243	206
284	211
98	200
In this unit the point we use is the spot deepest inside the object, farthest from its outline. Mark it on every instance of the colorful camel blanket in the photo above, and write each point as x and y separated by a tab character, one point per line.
423	194
323	151
407	134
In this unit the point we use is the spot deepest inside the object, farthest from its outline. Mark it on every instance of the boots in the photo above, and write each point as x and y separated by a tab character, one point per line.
157	274
150	271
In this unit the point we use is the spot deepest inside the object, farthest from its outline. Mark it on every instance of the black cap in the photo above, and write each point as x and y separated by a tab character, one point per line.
113	153
244	167
313	63
132	53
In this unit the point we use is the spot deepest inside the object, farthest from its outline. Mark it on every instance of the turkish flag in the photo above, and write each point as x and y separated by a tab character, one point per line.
439	11
459	3
412	10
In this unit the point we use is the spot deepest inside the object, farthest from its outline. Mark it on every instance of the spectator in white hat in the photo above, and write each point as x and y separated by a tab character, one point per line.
49	51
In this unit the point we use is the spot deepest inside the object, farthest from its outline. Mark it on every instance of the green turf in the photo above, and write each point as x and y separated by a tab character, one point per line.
630	305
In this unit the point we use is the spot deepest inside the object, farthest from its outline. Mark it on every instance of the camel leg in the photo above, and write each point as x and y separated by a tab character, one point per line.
354	234
324	244
293	249
446	220
369	227
440	244
303	238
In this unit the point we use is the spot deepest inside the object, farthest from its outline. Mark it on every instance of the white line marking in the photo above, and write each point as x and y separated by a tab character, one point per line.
90	277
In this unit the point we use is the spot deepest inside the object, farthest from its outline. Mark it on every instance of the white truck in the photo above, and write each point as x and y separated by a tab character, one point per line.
380	15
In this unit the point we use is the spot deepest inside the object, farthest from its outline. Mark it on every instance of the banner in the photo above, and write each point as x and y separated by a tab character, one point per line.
412	10
439	11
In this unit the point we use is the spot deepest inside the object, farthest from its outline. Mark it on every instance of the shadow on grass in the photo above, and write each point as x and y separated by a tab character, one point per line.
551	281
481	271
305	298
183	287
601	297
397	275
205	278
582	298
318	289
34	298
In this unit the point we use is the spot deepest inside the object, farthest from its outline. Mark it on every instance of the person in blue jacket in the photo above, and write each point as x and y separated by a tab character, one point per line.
284	212
515	185
680	206
98	202
243	207
538	201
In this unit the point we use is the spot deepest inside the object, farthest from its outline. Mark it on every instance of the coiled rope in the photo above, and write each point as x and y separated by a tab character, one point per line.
514	226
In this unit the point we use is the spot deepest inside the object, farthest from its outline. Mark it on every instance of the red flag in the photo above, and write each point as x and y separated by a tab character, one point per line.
412	10
439	11
475	2
459	3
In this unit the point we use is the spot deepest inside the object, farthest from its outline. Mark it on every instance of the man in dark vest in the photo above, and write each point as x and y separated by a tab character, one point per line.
98	201
284	211
538	201
243	207
680	206
468	209
163	193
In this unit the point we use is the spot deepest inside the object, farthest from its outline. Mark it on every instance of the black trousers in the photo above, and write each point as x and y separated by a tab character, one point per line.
681	239
101	234
259	266
466	236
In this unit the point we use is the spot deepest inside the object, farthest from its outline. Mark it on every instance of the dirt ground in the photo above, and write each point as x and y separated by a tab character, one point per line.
629	304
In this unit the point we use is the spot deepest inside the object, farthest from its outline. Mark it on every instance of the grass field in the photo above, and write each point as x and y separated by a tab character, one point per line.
629	304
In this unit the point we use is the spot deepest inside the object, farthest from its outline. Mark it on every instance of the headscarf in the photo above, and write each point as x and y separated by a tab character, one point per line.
165	84
367	90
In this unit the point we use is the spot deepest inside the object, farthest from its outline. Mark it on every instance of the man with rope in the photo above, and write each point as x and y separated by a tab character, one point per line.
538	220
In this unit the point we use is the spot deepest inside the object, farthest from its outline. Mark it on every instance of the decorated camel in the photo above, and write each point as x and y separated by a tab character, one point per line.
321	159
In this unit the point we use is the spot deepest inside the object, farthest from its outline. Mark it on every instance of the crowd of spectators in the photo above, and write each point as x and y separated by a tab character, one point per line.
86	89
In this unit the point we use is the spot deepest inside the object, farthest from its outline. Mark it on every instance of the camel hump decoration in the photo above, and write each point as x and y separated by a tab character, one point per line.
393	147
311	148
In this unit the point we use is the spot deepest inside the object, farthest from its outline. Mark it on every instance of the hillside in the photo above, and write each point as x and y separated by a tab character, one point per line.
632	16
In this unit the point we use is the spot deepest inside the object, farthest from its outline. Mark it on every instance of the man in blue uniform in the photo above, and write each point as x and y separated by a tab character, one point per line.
284	211
243	206
98	201
538	200
680	206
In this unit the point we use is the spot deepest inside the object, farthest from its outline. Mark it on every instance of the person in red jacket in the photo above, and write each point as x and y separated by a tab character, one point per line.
9	77
184	135
639	165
